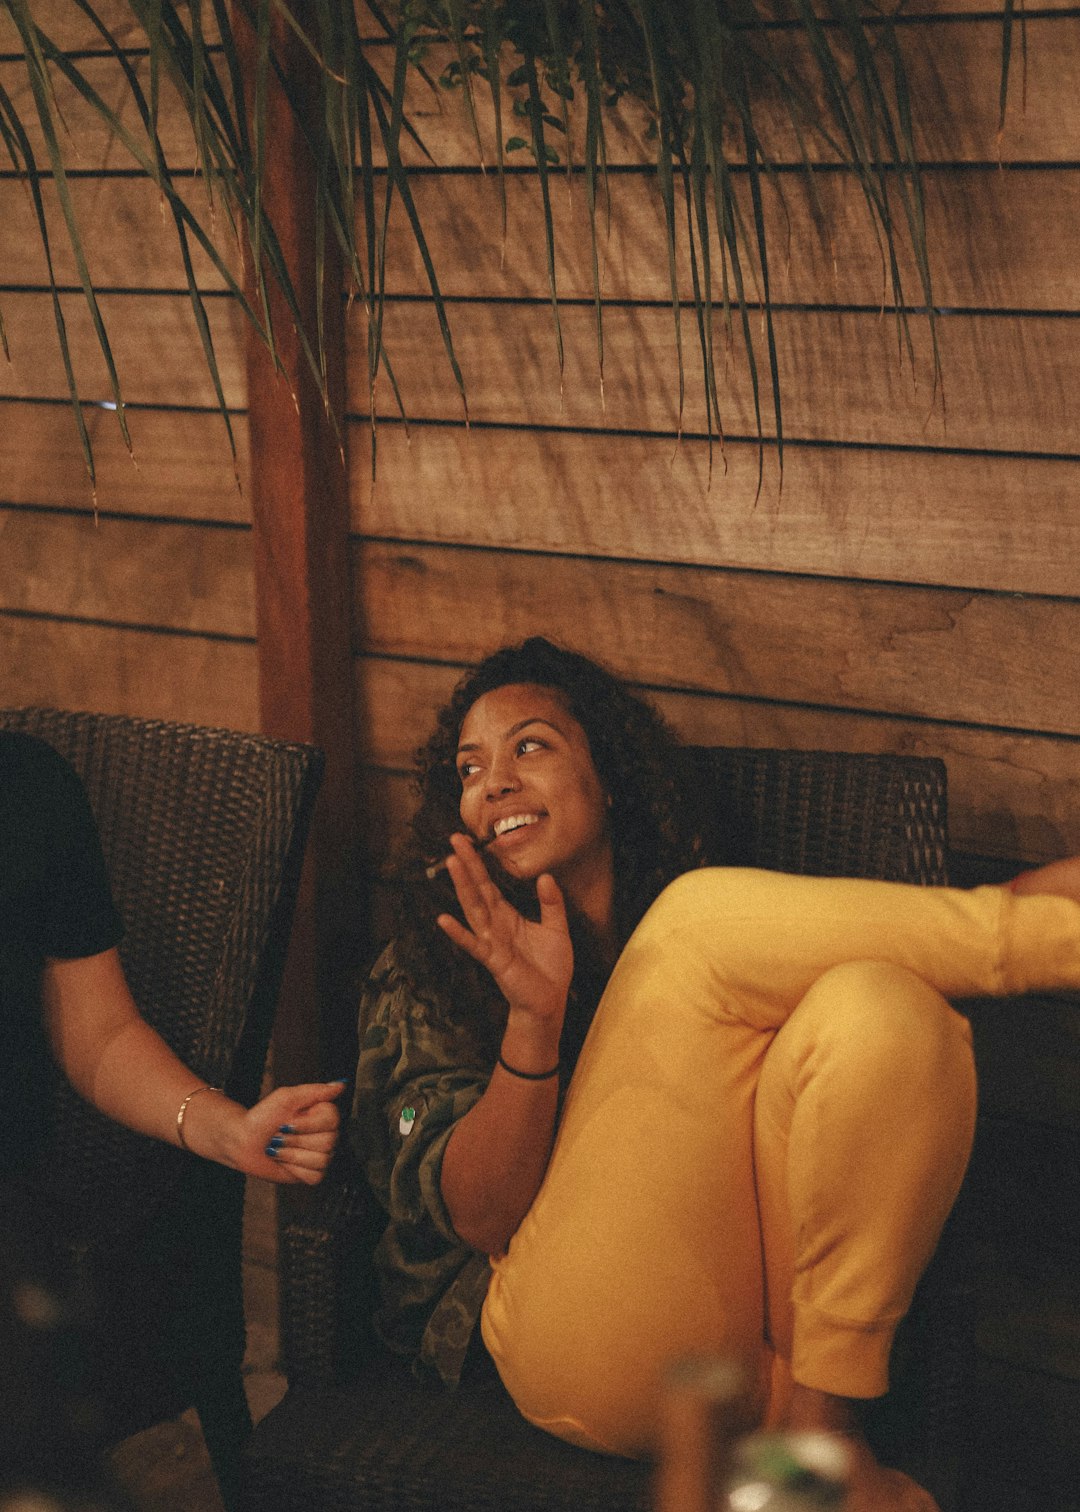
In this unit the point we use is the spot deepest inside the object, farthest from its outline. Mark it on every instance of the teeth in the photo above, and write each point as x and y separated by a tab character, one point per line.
515	821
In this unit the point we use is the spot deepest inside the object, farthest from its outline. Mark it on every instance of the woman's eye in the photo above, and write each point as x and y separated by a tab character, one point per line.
529	743
466	769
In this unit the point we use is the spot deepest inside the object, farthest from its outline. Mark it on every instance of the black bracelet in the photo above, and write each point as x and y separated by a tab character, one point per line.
530	1075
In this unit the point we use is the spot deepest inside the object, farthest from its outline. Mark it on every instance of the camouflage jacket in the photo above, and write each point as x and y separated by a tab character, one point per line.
417	1075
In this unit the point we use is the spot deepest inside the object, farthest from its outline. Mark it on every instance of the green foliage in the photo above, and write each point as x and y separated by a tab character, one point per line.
716	79
721	82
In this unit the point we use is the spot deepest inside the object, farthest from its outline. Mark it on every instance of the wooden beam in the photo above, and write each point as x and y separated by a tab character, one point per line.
300	548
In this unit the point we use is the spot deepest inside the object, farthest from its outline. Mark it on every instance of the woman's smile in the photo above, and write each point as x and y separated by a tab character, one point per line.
528	784
514	824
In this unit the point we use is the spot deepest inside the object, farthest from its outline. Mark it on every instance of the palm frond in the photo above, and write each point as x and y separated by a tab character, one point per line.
728	96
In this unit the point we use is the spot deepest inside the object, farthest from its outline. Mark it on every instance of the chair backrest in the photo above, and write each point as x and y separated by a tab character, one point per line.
826	813
203	832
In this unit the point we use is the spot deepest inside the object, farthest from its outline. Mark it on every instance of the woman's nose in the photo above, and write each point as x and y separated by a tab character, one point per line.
501	779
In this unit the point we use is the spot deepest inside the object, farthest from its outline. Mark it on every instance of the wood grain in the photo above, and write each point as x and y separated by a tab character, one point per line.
71	29
954	69
924	517
978	234
931	653
70	665
155	344
1009	380
127	231
954	66
174	576
90	143
181	463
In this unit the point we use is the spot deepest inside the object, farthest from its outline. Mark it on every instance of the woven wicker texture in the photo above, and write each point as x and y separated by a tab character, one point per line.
355	1431
203	832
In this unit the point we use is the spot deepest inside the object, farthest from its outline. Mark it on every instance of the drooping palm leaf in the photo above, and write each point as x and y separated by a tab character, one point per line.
700	67
22	156
595	158
35	44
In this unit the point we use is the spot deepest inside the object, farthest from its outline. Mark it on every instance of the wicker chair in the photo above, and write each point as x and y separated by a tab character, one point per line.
204	833
356	1430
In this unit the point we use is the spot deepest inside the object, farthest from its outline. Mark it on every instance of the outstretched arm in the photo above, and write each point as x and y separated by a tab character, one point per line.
114	1059
498	1153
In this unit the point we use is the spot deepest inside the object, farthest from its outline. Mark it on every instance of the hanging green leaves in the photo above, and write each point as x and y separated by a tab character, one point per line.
727	87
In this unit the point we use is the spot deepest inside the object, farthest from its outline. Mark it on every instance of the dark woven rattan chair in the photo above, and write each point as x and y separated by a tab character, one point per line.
203	832
357	1433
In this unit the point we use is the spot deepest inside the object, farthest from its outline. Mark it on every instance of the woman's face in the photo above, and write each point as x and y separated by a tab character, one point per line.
528	779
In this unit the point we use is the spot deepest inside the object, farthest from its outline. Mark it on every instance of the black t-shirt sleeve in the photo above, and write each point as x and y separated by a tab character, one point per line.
70	910
79	917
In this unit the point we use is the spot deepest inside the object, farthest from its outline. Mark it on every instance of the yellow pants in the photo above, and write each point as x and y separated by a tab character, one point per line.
766	1130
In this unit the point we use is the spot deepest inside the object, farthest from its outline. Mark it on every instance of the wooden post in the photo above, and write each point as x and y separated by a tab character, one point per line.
300	519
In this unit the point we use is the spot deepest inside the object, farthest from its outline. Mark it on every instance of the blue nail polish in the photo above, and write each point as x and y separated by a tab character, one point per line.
286	1129
272	1151
277	1141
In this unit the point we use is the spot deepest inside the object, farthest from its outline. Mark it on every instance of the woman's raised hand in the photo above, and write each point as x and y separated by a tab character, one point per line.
532	962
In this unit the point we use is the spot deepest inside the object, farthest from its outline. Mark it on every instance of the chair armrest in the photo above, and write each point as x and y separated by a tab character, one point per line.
326	1279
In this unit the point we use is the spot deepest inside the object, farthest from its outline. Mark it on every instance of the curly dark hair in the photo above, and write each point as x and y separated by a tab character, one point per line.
634	752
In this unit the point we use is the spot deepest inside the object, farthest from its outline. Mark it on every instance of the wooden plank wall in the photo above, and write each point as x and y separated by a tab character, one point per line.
914	585
149	609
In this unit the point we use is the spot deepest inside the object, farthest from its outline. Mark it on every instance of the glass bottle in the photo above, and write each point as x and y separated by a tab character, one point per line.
787	1472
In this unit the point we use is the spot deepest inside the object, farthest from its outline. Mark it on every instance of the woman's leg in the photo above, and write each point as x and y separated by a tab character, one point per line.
863	1123
644	1241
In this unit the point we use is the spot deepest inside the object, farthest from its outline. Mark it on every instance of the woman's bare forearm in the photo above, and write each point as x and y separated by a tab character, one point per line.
119	1063
496	1158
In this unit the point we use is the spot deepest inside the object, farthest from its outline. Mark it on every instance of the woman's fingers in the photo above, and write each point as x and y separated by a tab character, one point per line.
475	890
481	902
300	1157
552	904
293	1132
461	936
303	1156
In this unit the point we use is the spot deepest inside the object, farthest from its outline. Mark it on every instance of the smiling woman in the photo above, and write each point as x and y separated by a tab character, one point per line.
529	788
618	1115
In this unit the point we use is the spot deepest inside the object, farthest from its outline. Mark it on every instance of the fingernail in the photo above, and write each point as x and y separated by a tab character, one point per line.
338	1081
272	1150
277	1142
286	1129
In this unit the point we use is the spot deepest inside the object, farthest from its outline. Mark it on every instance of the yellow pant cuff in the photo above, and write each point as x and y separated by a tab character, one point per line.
844	1359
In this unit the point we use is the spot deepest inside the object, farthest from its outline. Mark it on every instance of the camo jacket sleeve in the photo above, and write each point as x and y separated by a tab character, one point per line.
416	1076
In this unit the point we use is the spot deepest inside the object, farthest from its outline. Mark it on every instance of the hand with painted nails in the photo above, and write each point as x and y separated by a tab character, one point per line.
288	1137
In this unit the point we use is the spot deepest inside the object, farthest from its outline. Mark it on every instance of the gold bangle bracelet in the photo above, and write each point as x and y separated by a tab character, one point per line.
182	1110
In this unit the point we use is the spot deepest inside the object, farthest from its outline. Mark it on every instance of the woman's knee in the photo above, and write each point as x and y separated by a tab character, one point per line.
694	899
884	1016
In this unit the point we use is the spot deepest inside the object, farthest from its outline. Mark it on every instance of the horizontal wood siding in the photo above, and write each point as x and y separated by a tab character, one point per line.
910	515
117	669
902	588
147	608
953	62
